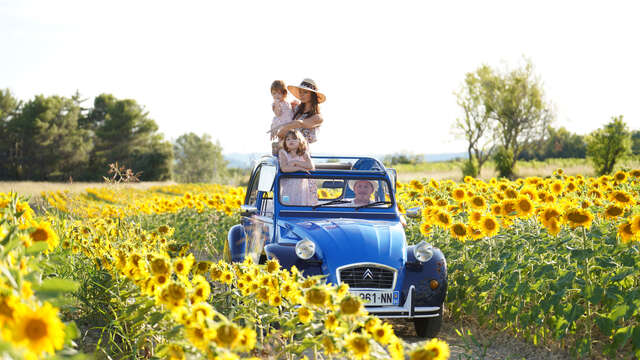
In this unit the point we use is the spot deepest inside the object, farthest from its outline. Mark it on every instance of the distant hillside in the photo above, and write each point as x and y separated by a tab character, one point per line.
245	160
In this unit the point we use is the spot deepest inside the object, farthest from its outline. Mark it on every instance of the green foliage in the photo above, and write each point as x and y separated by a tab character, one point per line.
54	138
504	162
558	144
605	146
402	158
9	107
475	126
635	142
469	168
126	135
510	103
198	159
47	143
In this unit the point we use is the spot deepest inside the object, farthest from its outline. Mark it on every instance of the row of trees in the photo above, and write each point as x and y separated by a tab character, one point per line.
56	139
506	117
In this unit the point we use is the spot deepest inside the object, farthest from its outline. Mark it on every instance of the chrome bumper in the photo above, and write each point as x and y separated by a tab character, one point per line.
408	310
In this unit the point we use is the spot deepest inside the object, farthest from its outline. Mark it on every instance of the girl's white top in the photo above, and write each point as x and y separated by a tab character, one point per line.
286	114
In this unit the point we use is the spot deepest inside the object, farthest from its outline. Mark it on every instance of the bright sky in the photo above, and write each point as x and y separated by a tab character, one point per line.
388	69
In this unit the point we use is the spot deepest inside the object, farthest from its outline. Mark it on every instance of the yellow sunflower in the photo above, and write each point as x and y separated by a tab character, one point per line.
351	305
438	348
478	202
442	219
556	187
459	194
459	231
635	224
509	193
620	176
509	207
425	228
496	209
625	233
489	226
38	330
578	217
42	232
304	314
227	335
475	216
622	198
433	350
524	207
382	333
553	227
317	296
358	345
613	211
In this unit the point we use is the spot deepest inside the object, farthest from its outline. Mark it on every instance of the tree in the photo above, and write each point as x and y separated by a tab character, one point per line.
48	143
9	108
558	143
475	125
635	142
606	145
125	134
197	159
515	103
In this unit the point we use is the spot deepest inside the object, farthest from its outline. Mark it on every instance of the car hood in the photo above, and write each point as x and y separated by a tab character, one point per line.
347	241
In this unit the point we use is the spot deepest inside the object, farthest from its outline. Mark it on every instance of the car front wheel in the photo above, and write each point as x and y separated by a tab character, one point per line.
428	327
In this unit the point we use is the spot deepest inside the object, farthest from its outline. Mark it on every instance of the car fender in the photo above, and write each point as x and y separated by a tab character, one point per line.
421	274
236	244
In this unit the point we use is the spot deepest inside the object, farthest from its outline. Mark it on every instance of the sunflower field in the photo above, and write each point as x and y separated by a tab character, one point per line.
120	273
555	261
124	273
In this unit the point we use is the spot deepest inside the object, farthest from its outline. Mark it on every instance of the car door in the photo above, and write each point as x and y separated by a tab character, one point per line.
258	222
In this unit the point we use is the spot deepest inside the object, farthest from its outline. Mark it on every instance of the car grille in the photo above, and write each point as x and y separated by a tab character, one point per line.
369	277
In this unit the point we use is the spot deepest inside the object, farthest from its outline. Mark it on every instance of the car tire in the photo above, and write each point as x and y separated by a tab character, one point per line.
428	327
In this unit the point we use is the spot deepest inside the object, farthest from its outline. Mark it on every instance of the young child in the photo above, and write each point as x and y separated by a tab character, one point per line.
282	111
294	156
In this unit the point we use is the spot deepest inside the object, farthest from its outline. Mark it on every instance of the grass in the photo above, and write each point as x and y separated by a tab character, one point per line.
406	172
453	169
35	188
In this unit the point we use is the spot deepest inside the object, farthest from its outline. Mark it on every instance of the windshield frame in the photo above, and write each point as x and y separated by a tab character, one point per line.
333	176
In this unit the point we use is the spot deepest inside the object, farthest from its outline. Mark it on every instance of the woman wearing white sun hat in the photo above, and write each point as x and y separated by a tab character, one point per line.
306	116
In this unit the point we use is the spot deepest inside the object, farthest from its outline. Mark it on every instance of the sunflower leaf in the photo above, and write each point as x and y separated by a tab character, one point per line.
56	285
36	248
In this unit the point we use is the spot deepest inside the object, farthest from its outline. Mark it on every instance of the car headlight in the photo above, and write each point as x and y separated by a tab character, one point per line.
423	251
305	249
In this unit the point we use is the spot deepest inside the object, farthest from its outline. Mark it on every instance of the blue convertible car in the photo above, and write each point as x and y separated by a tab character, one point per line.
362	244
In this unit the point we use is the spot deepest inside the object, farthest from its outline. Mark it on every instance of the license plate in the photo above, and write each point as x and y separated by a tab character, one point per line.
378	297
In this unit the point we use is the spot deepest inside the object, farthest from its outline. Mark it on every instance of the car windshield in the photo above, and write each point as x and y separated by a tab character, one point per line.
327	192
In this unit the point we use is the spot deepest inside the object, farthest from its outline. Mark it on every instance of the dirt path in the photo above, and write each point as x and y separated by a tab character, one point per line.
481	344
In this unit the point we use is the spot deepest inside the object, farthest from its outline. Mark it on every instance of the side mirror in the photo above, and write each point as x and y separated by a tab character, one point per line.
414	212
248	210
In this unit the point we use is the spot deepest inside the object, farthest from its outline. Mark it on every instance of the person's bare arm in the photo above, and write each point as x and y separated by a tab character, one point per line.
286	166
307	163
308	123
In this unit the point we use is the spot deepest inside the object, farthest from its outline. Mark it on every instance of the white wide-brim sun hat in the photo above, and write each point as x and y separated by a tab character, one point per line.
352	184
309	85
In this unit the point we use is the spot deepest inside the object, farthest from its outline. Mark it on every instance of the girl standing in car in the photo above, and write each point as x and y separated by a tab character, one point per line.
294	156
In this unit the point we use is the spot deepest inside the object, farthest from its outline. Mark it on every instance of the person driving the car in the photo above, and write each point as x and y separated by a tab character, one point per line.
363	189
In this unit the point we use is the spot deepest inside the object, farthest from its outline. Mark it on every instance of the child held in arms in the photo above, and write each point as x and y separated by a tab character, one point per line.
282	111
